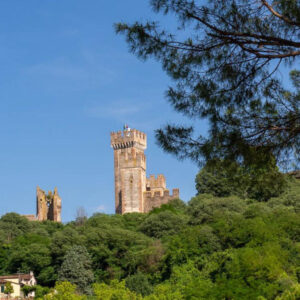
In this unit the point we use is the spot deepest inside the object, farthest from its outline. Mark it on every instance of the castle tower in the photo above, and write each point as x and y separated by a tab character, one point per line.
48	206
130	170
133	191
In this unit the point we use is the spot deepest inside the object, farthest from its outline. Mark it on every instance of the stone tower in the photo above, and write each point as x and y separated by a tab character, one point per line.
130	170
48	205
133	191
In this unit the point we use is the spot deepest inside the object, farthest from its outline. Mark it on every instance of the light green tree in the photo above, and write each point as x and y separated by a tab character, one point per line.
8	289
64	291
115	290
291	294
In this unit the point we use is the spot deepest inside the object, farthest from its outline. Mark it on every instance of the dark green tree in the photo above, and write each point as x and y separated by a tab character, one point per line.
206	208
224	58
220	179
12	225
27	289
29	252
163	223
260	181
77	268
139	284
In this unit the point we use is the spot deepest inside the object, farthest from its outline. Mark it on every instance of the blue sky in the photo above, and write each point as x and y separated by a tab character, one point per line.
66	81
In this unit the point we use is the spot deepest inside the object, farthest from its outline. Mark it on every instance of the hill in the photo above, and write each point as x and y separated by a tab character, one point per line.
210	248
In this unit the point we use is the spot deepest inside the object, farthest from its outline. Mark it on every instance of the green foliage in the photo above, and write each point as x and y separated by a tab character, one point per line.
175	206
291	294
191	243
210	248
27	289
139	284
41	291
163	223
13	225
290	198
29	252
205	208
116	290
223	58
76	268
63	291
8	289
258	180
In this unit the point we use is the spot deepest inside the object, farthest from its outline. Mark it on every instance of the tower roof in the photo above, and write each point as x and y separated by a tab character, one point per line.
128	138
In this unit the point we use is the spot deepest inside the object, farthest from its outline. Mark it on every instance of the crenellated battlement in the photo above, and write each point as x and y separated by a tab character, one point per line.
159	182
128	138
157	198
166	193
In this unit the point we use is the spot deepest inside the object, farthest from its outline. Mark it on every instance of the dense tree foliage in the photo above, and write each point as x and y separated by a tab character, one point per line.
213	247
64	291
8	288
77	269
224	57
261	181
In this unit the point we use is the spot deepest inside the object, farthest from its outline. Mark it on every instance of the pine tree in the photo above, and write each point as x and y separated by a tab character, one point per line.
224	58
77	268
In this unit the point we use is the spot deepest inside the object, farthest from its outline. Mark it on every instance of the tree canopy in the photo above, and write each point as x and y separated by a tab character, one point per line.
76	268
222	178
224	58
213	247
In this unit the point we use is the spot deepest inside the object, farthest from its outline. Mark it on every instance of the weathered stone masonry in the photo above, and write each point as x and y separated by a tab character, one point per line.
48	206
133	191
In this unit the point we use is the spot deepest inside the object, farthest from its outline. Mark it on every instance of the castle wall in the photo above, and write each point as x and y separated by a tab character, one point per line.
156	199
156	184
30	217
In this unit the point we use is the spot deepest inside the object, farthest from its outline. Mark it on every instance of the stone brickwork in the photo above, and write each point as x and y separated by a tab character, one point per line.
133	191
156	199
30	217
48	205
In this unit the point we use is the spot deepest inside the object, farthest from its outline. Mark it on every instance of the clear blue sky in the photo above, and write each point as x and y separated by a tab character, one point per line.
66	81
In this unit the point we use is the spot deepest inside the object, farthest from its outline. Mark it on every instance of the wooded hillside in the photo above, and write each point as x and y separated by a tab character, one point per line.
210	248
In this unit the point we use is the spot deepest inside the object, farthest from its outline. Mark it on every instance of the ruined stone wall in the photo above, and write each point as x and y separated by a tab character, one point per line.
56	207
41	205
48	205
